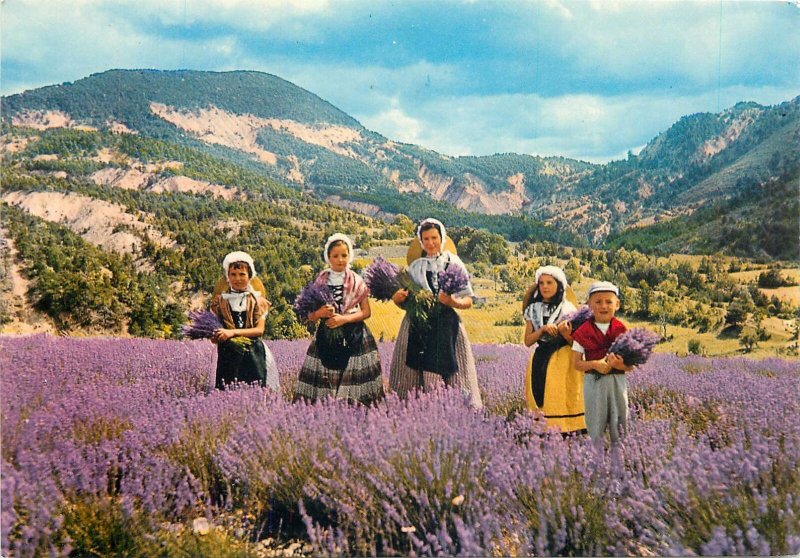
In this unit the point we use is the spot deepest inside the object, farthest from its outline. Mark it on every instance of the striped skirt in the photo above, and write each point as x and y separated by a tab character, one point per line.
361	381
403	379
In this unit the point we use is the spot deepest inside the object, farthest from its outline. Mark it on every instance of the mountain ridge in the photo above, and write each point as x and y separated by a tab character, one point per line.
289	134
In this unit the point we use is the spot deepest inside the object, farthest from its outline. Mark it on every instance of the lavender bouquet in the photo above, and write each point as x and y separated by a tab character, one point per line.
313	297
420	304
635	346
202	325
577	318
453	280
383	279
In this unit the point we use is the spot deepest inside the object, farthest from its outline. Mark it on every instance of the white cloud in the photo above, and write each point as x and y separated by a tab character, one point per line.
559	8
586	127
395	124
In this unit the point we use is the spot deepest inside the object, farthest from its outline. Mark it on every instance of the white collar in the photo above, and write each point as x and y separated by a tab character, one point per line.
336	277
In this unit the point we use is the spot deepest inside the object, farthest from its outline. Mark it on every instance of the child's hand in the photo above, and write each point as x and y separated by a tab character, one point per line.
550	330
221	335
337	320
322	313
564	328
400	296
602	366
615	361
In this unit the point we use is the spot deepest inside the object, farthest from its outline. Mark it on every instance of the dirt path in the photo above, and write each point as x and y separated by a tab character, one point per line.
13	295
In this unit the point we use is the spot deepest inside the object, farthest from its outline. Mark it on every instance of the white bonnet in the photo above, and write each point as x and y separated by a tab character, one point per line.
234	257
555	272
344	238
435	222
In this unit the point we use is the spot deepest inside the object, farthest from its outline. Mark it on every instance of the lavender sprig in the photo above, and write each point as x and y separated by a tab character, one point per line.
382	278
453	280
577	318
313	297
635	346
202	325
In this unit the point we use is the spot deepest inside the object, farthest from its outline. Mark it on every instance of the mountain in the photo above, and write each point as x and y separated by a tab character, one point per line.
271	127
760	221
286	132
702	159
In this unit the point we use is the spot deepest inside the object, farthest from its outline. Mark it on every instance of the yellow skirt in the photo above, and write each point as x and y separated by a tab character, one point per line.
563	392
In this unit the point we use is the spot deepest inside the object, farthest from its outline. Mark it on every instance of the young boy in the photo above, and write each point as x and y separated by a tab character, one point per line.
605	389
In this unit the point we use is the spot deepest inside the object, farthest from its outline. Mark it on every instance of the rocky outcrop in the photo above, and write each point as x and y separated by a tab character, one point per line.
99	222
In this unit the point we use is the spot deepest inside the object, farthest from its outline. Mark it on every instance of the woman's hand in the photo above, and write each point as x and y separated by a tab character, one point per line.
400	296
337	320
222	334
447	300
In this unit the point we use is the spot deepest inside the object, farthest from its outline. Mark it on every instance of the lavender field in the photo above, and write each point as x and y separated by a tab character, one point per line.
120	447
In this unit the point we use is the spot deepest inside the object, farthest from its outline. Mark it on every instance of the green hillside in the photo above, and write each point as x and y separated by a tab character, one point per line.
146	293
760	221
700	162
125	96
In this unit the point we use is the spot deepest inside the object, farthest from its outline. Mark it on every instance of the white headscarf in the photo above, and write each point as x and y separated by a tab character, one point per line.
535	311
344	238
436	222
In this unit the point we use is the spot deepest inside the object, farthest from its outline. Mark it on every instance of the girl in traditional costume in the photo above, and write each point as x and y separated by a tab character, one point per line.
434	349
552	384
240	304
342	360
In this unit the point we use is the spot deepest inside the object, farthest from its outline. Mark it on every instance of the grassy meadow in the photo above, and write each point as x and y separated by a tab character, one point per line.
491	322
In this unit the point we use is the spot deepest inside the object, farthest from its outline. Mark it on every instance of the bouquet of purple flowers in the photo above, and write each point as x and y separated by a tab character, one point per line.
453	280
313	297
577	318
202	325
635	346
383	279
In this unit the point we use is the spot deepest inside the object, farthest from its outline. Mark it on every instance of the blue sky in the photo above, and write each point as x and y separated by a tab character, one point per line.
589	80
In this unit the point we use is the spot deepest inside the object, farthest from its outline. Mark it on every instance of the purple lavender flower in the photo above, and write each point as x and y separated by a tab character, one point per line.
578	317
381	276
453	280
202	325
635	346
313	297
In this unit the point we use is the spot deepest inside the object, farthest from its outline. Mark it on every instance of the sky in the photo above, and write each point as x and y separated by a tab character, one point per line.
587	79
